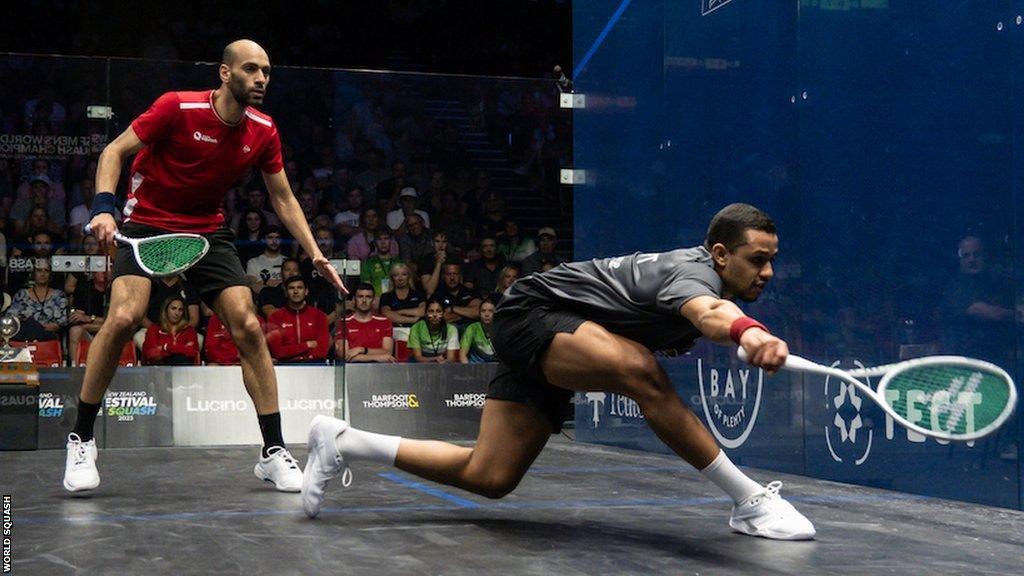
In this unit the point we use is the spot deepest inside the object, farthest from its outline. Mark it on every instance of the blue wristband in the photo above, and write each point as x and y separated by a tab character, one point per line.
103	203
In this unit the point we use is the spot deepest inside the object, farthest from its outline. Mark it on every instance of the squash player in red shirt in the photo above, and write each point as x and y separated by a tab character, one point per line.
189	148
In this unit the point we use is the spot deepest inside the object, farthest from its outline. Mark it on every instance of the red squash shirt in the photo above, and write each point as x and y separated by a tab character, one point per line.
288	331
369	334
219	347
192	156
160	344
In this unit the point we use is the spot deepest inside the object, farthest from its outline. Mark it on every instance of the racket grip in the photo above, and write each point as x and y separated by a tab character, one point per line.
88	228
793	362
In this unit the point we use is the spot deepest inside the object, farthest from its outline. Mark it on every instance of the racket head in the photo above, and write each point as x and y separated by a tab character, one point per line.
948	397
169	254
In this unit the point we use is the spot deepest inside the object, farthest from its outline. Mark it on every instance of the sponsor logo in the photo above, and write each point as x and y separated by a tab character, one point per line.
709	6
18	400
392	401
596	399
200	137
847	436
465	401
246	149
731	399
126	405
285	405
617	405
50	406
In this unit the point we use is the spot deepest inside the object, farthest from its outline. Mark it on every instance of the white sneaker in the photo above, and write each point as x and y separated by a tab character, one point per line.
768	515
80	467
324	463
281	469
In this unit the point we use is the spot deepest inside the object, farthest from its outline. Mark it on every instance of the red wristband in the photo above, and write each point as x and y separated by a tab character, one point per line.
741	325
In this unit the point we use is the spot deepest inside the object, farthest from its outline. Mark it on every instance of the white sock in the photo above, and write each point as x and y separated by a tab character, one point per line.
361	445
724	474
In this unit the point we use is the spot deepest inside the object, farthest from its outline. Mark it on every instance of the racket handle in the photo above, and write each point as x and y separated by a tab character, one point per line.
88	228
793	362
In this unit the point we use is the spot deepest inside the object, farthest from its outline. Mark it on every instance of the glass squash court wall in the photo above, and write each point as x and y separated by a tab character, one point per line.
882	137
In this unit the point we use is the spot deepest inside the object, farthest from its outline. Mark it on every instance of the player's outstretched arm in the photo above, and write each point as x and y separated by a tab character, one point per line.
722	322
290	213
108	172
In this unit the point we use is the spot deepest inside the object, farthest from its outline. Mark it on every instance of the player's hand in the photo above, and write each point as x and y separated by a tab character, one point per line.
103	226
764	350
323	265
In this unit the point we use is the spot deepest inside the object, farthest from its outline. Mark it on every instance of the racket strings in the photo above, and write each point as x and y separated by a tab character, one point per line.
954	399
169	255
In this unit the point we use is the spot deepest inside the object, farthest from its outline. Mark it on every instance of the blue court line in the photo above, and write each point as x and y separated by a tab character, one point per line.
575	504
427	489
600	39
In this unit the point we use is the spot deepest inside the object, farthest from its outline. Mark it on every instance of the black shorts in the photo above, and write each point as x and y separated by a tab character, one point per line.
219	269
520	339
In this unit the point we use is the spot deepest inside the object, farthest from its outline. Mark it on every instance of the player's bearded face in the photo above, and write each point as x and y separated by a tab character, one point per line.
748	268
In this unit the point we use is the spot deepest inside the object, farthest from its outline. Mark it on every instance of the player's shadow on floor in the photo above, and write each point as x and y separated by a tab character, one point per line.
621	544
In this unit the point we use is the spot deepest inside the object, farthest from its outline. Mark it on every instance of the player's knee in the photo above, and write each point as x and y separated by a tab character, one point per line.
122	322
644	379
248	332
499	486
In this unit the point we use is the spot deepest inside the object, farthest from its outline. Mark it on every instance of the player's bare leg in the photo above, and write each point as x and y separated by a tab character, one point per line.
129	296
593	358
234	306
511	436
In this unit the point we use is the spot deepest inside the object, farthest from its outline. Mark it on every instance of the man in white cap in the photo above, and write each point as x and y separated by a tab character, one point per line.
407	200
545	253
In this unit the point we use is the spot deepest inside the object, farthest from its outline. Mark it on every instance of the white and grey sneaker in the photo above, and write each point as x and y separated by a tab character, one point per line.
768	515
280	469
80	467
324	463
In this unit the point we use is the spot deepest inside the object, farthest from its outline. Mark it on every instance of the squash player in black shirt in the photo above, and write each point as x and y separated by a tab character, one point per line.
592	326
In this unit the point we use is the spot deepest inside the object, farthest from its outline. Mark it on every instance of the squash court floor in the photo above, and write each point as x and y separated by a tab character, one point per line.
582	509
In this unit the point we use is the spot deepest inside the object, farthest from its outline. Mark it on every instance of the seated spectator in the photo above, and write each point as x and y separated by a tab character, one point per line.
482	274
404	304
52	174
416	241
432	339
325	240
256	199
38	197
476	342
348	222
364	336
429	266
80	215
43	310
361	245
461	303
172	341
39	221
90	246
388	190
309	201
23	262
545	252
376	269
492	219
219	347
159	291
273	297
87	309
265	269
514	247
509	275
298	332
407	201
452	220
252	228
